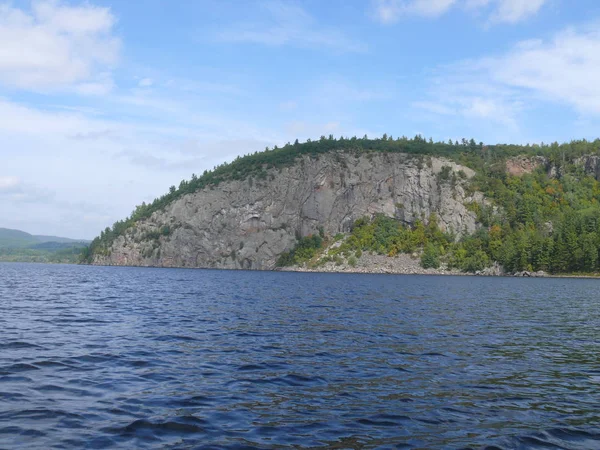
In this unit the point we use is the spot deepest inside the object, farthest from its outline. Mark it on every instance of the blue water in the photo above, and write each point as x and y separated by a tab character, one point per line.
99	357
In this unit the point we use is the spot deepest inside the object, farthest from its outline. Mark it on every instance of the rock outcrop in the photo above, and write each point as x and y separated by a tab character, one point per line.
590	164
248	224
521	165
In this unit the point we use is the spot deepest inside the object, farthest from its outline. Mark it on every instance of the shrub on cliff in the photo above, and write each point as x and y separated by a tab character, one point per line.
305	249
430	259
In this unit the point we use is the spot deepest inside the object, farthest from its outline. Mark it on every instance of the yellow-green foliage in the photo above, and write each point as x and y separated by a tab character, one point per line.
541	223
387	236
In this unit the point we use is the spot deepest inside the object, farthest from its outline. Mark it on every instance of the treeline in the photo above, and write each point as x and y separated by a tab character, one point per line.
482	158
44	253
539	223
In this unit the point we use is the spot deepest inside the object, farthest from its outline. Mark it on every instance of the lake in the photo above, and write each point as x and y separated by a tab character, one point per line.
107	357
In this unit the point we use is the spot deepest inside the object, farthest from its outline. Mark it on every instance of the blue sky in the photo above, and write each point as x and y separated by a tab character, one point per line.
105	104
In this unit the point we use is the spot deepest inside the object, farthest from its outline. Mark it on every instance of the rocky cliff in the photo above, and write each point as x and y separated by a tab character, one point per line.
247	224
522	165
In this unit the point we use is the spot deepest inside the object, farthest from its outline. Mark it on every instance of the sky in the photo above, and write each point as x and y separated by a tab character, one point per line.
105	104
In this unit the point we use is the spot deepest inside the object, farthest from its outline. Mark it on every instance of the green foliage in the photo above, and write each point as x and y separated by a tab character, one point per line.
49	252
152	235
387	236
306	248
18	246
445	173
322	232
536	222
15	238
540	223
430	259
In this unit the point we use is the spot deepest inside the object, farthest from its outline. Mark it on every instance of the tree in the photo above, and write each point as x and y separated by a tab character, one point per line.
430	258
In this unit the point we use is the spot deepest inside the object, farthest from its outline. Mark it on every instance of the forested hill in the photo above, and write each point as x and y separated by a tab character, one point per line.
19	246
10	238
541	210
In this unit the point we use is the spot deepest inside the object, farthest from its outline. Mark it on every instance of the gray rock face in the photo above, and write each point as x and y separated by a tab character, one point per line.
590	164
248	224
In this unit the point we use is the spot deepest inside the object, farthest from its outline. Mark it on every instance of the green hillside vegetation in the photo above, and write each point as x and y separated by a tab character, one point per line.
10	238
16	239
66	253
19	246
60	240
541	223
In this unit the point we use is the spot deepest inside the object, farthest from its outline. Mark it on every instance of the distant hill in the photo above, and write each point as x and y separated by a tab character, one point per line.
20	239
16	239
62	240
16	245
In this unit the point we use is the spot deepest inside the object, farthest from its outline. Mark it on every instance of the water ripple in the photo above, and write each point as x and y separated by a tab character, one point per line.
99	357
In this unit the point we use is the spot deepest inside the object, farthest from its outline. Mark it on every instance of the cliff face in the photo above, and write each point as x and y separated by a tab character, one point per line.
248	224
522	165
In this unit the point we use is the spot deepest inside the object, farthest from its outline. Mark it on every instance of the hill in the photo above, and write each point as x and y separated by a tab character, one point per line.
19	246
43	238
15	238
460	205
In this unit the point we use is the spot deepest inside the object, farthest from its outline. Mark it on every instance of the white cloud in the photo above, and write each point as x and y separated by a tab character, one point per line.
285	23
17	119
56	46
500	89
491	108
565	68
14	190
390	11
513	11
80	20
8	183
145	82
499	11
56	161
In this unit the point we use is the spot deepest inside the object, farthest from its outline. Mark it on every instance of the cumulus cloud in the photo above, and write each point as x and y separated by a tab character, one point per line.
505	11
565	68
57	46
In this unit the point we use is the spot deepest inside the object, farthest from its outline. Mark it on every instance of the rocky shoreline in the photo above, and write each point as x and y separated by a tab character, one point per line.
405	264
